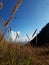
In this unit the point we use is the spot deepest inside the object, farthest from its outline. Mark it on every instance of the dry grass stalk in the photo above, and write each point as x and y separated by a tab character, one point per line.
12	15
17	35
36	39
13	12
10	29
34	33
2	36
28	37
1	4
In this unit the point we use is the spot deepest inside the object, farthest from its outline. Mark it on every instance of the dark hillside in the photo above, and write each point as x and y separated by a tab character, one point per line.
42	37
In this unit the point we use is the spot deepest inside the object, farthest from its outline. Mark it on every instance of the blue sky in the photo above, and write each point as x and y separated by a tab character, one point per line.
30	15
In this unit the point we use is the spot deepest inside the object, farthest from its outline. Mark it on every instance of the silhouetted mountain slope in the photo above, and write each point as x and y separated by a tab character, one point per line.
42	37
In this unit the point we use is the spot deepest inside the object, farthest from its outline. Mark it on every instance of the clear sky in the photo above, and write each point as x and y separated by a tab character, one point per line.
30	15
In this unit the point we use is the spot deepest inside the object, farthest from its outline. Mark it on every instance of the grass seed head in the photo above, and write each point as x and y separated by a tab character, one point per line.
1	4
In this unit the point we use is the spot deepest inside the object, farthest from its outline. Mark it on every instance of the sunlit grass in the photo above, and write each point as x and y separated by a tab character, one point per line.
18	54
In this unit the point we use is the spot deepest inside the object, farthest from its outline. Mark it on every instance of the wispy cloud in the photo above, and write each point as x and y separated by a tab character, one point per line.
16	36
13	35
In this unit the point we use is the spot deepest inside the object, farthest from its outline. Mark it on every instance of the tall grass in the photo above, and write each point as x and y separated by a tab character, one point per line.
18	54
